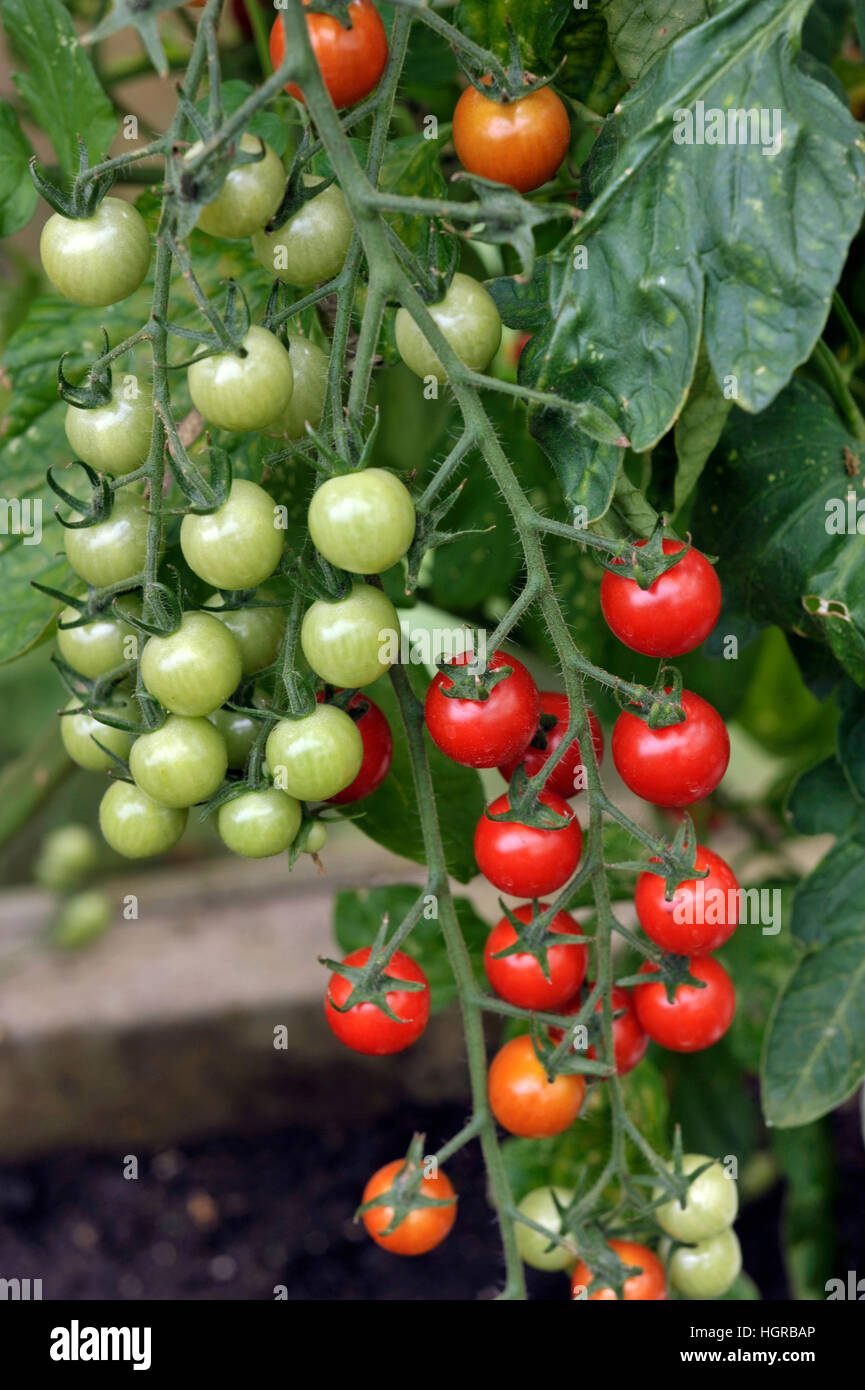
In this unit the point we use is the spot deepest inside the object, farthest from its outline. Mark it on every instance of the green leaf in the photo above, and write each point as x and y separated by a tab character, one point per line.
523	303
412	168
536	22
822	801
828	905
699	426
60	87
639	32
269	125
358	915
759	960
590	71
18	194
807	1160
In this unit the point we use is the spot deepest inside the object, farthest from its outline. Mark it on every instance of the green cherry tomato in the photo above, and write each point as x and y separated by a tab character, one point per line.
250	194
180	764
710	1207
239	545
312	245
113	550
535	1249
246	390
468	318
317	756
113	438
82	919
195	669
707	1269
135	825
362	522
96	260
80	730
67	854
257	631
239	732
259	824
99	646
309	365
316	839
353	641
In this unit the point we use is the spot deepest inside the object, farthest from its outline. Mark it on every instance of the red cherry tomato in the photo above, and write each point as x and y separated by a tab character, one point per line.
351	61
424	1228
519	978
484	733
649	1285
697	1016
365	1028
521	143
707	909
523	1100
629	1039
377	742
672	616
564	777
677	765
526	860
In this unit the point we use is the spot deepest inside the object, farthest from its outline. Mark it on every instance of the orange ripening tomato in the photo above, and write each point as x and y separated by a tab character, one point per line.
351	61
420	1231
649	1285
523	1100
521	143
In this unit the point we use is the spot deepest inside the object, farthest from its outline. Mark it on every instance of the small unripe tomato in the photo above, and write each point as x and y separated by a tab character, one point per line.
113	438
258	824
67	854
468	318
258	632
239	732
195	669
422	1229
113	550
96	260
351	642
243	390
535	1249
522	1099
99	646
250	194
82	919
312	245
710	1206
315	757
306	406
79	732
521	143
238	545
709	1268
649	1285
362	522
317	838
135	825
181	764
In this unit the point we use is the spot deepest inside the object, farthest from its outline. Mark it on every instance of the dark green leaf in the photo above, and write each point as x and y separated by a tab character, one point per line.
807	1160
18	194
828	905
822	801
699	426
536	23
707	1127
640	31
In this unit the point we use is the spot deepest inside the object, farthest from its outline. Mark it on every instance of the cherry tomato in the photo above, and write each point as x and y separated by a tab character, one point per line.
312	245
316	838
306	406
365	1027
113	550
535	1249
250	193
80	732
258	632
629	1040
239	732
195	669
67	854
317	756
96	260
351	642
82	919
525	860
697	1017
351	61
565	779
424	1228
362	522
243	390
468	318
650	1284
258	824
675	766
522	1099
135	825
238	545
707	1269
672	616
519	979
484	733
99	646
702	914
377	742
113	438
710	1206
181	764
521	143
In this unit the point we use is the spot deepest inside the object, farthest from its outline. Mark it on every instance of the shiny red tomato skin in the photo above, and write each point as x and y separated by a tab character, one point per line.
697	1017
561	780
524	860
424	1228
521	143
351	61
629	1039
521	1098
674	615
695	937
377	740
675	766
365	1028
649	1285
519	978
484	733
